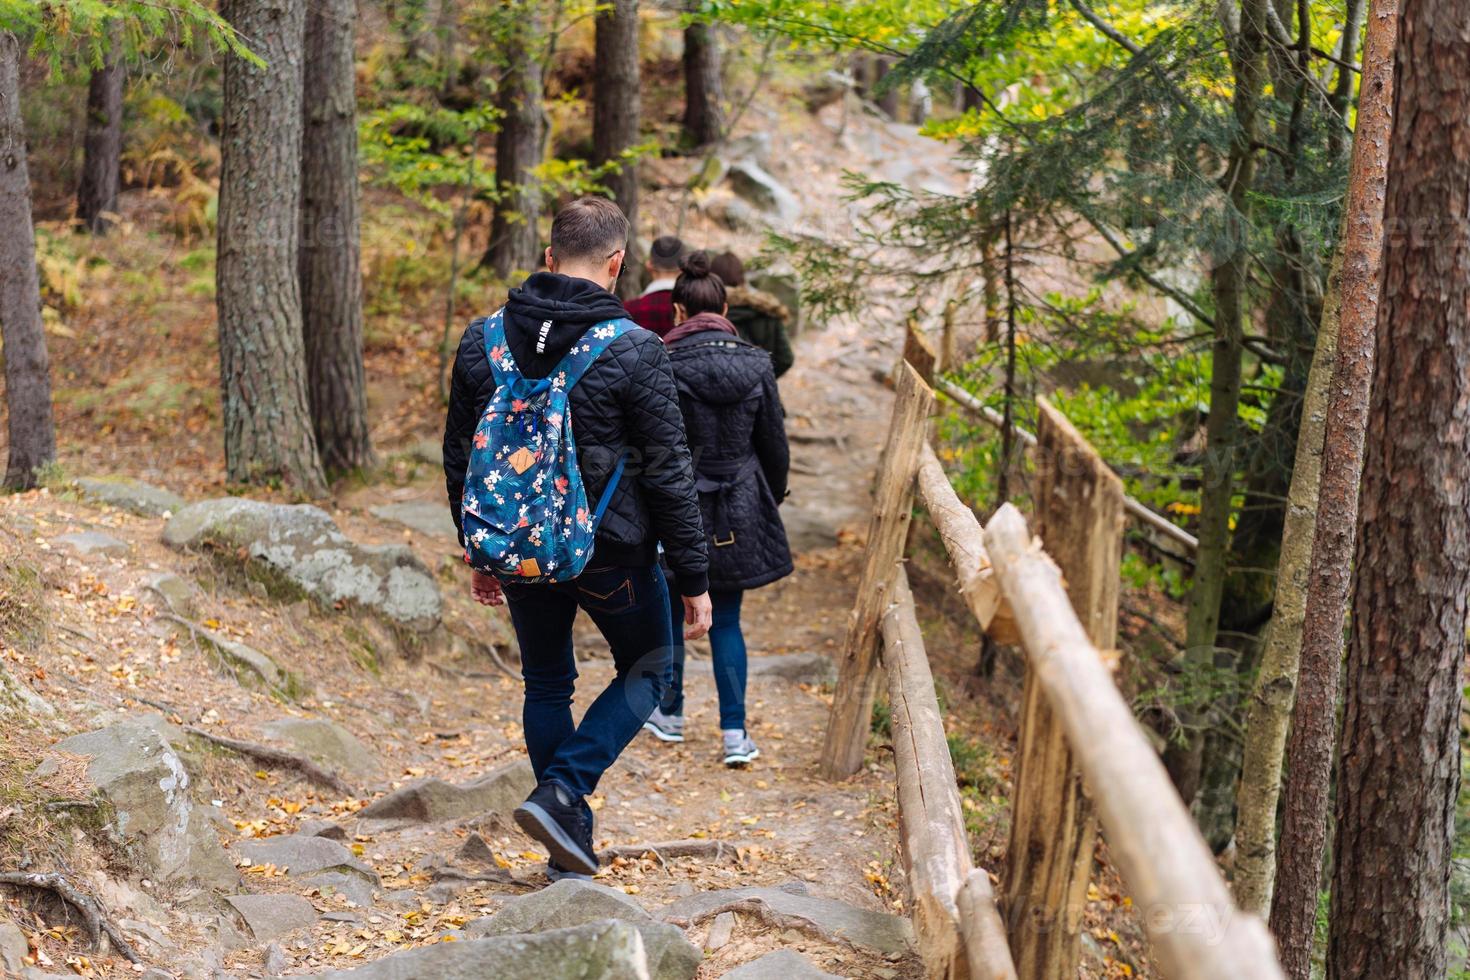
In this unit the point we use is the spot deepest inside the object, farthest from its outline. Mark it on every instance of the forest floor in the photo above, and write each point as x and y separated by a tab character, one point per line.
136	387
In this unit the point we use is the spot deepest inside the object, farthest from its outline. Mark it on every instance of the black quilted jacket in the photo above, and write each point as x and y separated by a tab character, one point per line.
732	412
626	402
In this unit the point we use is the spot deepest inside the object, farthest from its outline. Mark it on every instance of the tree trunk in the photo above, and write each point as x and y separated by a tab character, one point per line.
1399	756
704	120
1310	748
102	146
1342	91
331	248
514	239
268	433
27	371
615	118
1222	430
888	99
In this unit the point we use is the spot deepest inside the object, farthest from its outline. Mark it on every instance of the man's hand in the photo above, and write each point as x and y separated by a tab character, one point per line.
697	615
486	589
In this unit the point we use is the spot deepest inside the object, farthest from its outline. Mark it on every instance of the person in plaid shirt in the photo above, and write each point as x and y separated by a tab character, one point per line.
654	310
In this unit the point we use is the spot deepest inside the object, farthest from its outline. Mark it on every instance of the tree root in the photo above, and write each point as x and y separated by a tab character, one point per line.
279	759
776	920
663	850
93	917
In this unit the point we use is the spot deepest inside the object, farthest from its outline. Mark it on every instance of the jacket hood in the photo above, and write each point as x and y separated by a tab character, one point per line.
755	299
716	368
546	315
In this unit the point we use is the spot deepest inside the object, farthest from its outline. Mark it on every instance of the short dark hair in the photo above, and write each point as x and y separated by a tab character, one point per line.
667	252
698	289
729	268
588	228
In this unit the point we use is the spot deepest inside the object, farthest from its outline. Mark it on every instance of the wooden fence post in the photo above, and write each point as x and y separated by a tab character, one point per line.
1079	511
852	703
919	351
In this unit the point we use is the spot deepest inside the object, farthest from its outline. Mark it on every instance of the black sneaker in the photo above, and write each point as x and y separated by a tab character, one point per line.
563	824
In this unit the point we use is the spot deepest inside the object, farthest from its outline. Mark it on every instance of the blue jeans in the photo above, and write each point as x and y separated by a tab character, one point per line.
727	643
631	608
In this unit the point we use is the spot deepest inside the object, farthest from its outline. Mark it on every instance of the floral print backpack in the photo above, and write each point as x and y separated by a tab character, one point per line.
526	515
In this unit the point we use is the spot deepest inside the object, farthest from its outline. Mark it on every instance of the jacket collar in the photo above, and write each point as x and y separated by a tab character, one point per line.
659	286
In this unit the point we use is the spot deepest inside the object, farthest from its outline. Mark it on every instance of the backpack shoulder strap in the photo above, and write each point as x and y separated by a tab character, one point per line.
497	350
598	338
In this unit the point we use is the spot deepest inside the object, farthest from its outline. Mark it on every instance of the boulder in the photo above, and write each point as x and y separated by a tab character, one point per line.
786	289
95	543
298	547
249	666
142	780
783	964
878	931
180	595
611	950
435	801
570	902
271	916
14	948
326	742
752	183
316	861
134	496
430	518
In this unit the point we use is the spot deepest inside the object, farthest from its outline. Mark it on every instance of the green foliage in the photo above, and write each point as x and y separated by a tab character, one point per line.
881	722
63	31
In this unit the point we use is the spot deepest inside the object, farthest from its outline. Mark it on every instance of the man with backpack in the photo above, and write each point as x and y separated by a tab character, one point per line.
566	465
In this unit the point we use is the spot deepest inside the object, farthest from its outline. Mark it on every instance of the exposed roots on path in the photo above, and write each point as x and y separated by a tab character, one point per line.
663	850
780	921
93	918
278	758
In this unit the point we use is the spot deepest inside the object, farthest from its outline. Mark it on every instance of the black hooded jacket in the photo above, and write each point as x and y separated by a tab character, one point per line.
737	432
626	402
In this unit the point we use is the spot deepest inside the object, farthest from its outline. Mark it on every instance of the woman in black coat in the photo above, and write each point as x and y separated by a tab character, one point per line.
737	438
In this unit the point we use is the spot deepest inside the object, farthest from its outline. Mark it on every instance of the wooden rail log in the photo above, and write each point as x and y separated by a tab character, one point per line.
936	852
852	703
964	541
1079	507
1196	931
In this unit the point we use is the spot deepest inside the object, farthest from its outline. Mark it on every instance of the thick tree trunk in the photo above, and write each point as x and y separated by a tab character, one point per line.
1228	279
1310	748
268	433
514	240
27	370
102	146
615	117
704	117
331	248
1399	755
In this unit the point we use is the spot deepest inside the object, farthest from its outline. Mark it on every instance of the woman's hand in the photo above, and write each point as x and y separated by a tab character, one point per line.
486	589
698	613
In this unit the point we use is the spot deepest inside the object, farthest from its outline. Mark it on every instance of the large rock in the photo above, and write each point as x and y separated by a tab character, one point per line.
270	916
325	742
783	964
128	494
140	777
179	594
752	183
250	667
430	518
316	861
14	948
435	801
569	902
94	543
298	546
599	951
786	289
879	931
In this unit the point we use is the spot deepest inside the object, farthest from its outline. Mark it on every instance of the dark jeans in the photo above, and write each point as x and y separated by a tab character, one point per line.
727	643
631	608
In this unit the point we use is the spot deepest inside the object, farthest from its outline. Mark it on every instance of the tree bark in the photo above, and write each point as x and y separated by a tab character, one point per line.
1310	747
1399	755
615	118
331	246
102	146
514	239
704	117
267	423
1222	430
27	371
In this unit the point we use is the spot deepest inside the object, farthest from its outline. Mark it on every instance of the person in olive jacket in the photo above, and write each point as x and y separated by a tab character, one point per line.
737	439
757	316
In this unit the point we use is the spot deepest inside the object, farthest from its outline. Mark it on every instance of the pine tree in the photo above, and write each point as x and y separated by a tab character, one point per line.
704	120
514	236
615	116
102	146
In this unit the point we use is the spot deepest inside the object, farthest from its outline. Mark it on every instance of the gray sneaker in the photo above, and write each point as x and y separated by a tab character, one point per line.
665	728
740	748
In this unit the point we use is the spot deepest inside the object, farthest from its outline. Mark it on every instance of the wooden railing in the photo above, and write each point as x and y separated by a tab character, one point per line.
1082	757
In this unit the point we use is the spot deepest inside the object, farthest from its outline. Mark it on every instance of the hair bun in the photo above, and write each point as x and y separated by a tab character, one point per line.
696	265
